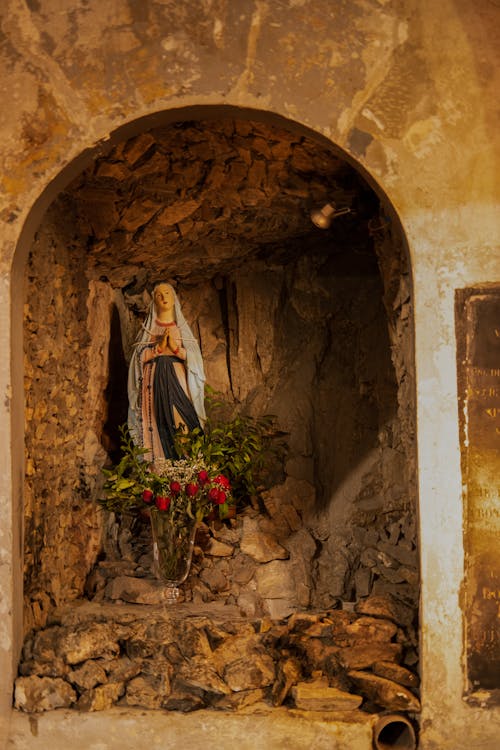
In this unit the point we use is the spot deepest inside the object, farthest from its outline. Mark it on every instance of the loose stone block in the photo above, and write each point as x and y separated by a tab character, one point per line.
289	672
191	640
136	590
89	642
396	673
122	669
258	545
55	668
138	214
302	549
46	643
88	675
366	654
403	555
201	674
384	692
101	697
135	148
362	581
116	170
178	211
250	604
184	698
243	569
33	694
275	581
388	607
201	593
316	696
278	609
215	580
147	691
240	700
301	621
371	629
219	549
388	574
319	655
254	671
297	492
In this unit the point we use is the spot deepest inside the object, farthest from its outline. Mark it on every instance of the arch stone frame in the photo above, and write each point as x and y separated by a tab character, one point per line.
407	93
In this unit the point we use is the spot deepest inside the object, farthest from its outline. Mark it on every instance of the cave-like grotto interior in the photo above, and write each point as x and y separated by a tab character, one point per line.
315	582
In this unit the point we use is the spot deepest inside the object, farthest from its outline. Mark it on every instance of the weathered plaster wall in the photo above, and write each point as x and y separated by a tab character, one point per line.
407	89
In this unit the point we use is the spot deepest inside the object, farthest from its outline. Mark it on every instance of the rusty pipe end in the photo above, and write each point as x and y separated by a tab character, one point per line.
394	731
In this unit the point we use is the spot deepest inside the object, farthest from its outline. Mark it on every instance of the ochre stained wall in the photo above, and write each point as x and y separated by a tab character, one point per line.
408	90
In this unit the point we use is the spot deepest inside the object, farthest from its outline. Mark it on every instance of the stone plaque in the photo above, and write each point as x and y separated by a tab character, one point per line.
478	345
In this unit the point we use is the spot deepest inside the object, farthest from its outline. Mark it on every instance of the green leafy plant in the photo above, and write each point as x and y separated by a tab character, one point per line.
244	448
186	488
235	455
125	481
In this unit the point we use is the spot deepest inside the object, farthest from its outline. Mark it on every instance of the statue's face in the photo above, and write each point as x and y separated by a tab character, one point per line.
163	297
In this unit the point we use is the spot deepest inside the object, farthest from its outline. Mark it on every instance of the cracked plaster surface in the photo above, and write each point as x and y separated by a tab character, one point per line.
419	78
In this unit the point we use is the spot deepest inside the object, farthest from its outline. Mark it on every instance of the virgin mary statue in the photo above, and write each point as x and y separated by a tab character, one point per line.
166	378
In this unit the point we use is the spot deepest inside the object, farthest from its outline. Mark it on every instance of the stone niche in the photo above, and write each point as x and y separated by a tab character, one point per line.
317	585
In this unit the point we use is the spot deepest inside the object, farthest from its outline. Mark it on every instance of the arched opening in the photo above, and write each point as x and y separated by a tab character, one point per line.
311	325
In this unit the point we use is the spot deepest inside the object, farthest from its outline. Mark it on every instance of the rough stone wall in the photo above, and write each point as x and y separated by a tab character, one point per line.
299	342
295	327
375	546
303	343
200	198
310	346
64	368
292	326
186	658
74	75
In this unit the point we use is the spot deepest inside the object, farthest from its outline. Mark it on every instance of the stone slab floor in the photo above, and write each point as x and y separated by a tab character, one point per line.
134	729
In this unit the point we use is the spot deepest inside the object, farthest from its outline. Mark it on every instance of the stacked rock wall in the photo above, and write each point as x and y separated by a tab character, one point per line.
383	544
307	331
95	656
65	375
300	341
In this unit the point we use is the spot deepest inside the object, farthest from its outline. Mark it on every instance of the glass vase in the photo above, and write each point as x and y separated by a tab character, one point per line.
173	543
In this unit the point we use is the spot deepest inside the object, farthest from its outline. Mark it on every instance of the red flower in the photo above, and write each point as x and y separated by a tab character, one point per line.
203	477
217	496
175	488
213	495
191	489
223	481
147	495
162	502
